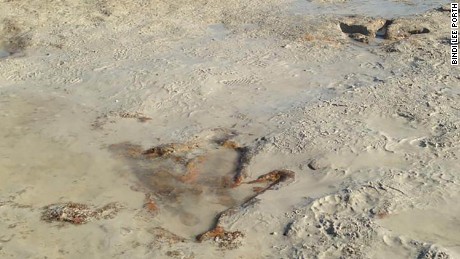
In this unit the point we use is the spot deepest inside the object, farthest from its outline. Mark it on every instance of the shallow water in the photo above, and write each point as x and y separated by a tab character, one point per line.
188	190
3	53
41	166
44	154
377	8
46	158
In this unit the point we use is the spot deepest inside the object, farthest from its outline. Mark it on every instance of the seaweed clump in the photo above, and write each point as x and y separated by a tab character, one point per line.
225	239
78	213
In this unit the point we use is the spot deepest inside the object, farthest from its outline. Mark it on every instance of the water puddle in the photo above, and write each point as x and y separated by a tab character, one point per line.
42	153
63	172
218	31
188	185
378	8
47	157
3	53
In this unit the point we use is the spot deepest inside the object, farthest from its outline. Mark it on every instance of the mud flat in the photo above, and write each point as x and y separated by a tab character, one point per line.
234	129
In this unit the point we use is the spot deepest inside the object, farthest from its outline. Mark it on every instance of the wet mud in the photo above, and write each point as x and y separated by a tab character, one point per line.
211	174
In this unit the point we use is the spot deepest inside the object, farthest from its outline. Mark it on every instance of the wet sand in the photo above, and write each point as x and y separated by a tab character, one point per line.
362	110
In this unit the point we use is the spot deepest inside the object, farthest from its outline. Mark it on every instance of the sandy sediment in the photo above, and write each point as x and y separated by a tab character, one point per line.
364	109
